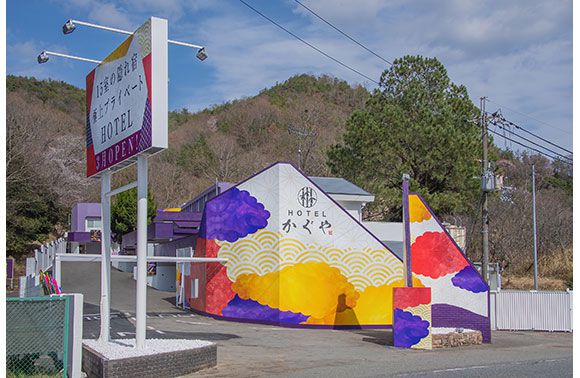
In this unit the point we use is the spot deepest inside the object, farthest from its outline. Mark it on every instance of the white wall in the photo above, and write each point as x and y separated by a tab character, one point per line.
354	208
386	230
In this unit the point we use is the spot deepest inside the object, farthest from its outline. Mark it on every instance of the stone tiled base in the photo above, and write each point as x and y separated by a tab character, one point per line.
455	339
170	364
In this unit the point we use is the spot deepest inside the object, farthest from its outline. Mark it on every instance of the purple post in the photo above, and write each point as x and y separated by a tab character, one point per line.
9	271
10	267
407	232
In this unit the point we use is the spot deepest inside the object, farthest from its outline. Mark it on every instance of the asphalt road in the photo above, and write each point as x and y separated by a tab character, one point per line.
250	350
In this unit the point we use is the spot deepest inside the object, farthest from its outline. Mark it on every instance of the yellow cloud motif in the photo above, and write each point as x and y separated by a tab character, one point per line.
265	252
373	307
311	288
418	212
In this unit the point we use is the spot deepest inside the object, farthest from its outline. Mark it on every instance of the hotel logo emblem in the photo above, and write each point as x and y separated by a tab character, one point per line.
307	197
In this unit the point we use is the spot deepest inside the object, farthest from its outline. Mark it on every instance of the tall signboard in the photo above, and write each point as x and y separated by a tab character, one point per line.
126	121
127	101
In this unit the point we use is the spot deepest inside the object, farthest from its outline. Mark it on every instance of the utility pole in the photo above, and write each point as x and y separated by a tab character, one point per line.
484	188
535	228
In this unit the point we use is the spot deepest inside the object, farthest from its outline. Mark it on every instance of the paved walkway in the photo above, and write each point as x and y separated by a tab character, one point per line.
250	350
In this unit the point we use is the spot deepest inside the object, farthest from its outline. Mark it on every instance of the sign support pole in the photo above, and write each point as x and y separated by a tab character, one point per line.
106	256
141	302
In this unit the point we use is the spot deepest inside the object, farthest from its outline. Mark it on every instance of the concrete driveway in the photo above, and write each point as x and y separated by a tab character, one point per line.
251	350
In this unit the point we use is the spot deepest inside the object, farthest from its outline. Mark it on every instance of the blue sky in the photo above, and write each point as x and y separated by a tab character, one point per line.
517	52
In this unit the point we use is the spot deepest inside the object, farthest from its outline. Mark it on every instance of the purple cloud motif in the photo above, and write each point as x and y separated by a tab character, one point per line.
469	279
248	309
233	215
408	329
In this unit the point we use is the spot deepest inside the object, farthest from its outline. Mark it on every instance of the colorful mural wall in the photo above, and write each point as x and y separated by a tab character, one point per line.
295	257
412	317
460	296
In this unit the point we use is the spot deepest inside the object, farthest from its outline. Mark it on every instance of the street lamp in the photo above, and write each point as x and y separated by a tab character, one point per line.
201	54
70	26
43	57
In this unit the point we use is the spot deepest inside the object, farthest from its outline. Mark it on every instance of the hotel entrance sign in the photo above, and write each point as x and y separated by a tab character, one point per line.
127	101
126	122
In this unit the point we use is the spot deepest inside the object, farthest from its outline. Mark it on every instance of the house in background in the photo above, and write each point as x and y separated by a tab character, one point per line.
86	227
197	204
349	196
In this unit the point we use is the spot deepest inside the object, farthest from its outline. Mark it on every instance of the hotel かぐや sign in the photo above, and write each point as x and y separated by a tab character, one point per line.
127	100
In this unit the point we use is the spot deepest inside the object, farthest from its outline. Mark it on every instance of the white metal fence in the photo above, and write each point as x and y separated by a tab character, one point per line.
531	310
43	260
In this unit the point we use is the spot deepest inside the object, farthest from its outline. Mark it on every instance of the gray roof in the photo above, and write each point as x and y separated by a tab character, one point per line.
337	185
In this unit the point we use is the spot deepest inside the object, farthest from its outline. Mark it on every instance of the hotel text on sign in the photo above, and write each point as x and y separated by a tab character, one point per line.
124	117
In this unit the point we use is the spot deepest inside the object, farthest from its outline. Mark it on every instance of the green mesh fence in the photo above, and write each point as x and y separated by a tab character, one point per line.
37	336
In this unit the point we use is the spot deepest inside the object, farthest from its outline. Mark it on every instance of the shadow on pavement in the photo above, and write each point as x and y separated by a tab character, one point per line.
381	337
170	300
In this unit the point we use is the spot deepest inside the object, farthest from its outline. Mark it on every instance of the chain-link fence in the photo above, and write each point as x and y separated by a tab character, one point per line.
37	336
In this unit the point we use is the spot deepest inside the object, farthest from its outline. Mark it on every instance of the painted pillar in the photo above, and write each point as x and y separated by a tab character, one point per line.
407	233
412	317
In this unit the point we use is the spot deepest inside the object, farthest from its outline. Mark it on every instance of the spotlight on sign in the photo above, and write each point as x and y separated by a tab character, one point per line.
42	57
68	27
201	54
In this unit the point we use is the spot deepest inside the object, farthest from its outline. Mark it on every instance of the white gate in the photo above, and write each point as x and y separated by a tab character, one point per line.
531	310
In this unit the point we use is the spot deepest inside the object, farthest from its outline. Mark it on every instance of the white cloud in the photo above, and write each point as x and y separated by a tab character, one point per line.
518	52
170	9
21	59
103	12
110	15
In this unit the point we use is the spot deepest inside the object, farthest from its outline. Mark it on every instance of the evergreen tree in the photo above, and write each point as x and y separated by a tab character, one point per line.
124	212
417	122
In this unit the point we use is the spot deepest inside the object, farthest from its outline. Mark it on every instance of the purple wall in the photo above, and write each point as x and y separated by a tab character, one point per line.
444	315
168	249
166	226
80	212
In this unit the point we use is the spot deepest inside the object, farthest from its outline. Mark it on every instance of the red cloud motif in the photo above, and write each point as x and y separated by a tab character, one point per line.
433	254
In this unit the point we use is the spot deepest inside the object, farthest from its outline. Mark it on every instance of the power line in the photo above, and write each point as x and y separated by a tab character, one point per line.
309	44
343	33
390	63
495	123
502	118
528	147
530	117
